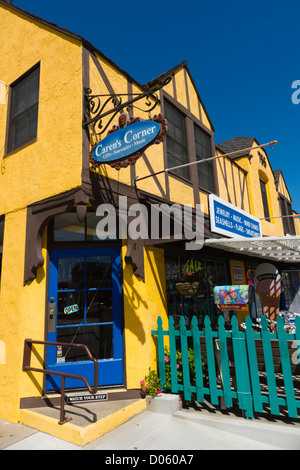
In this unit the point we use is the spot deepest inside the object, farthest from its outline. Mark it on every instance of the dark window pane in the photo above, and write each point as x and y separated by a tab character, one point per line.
98	272
99	306
291	220
91	224
98	338
24	110
203	151
176	140
283	213
1	232
67	228
265	200
70	273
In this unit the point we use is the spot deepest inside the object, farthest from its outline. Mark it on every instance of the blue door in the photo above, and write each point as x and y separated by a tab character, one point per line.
85	290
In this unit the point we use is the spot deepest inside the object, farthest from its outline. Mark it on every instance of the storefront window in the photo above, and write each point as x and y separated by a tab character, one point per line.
67	228
256	308
207	274
291	289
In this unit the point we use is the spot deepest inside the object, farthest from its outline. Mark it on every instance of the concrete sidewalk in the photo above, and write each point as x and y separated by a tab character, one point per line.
178	430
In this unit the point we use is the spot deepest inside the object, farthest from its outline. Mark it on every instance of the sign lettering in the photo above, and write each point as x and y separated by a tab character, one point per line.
229	220
126	141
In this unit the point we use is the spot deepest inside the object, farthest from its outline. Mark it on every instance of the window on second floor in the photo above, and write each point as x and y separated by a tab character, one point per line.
286	210
203	151
176	140
264	196
23	113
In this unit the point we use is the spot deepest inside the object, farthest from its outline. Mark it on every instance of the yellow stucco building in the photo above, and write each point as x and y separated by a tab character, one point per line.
59	281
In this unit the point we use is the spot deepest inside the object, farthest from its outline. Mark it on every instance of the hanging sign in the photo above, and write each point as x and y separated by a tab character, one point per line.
229	220
126	142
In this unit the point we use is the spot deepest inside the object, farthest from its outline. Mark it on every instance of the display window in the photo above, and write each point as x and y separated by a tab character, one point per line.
291	289
190	287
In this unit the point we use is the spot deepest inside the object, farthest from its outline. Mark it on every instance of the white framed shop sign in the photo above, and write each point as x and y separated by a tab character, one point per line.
231	221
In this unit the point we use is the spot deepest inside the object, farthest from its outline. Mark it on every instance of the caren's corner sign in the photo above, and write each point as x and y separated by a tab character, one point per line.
125	143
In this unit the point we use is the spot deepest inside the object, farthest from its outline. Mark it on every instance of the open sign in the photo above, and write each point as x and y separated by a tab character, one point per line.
71	309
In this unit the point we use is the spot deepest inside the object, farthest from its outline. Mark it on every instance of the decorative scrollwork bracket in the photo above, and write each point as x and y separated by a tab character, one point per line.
98	107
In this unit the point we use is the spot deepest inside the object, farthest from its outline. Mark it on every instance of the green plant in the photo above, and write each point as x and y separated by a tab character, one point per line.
191	358
150	385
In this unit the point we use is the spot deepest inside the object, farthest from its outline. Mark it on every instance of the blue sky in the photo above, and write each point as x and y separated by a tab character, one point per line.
243	56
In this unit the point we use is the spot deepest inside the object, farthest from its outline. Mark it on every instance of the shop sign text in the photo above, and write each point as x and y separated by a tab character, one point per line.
227	219
126	141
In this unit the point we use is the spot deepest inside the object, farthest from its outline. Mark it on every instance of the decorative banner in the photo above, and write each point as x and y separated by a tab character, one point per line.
231	297
229	220
126	142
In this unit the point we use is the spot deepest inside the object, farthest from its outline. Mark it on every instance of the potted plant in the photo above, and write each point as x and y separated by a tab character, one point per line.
150	385
190	283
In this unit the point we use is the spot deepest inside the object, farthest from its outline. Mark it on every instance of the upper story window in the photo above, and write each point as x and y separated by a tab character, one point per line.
176	140
23	114
287	222
263	188
203	151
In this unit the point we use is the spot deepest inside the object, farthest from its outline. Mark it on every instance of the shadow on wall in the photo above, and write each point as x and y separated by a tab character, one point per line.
136	292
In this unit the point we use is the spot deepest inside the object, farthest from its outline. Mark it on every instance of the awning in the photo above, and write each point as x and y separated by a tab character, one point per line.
281	249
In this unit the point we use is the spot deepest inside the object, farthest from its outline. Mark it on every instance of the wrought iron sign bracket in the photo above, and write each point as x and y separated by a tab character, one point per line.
98	107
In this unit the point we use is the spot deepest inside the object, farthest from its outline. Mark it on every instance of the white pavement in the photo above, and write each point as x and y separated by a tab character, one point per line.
181	431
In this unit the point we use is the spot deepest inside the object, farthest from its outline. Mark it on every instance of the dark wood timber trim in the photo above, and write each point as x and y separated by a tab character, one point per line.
38	216
103	74
85	131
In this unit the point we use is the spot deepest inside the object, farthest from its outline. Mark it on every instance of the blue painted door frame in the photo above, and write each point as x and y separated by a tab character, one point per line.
85	286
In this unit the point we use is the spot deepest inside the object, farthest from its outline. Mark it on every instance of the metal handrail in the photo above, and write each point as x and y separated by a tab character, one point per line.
26	367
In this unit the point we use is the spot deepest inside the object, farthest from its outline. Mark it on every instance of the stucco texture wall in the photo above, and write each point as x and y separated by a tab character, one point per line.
50	165
22	315
143	303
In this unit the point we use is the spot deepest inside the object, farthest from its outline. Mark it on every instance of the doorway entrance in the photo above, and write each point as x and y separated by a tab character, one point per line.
85	295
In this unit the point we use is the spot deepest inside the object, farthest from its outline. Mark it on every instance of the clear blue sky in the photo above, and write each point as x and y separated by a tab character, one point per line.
243	56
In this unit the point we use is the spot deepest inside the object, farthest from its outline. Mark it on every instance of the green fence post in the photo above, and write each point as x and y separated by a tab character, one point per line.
286	370
198	360
185	361
212	376
269	363
173	356
253	366
242	369
161	352
224	362
296	357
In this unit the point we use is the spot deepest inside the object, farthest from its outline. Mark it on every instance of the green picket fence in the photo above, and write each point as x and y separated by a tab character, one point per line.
252	368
